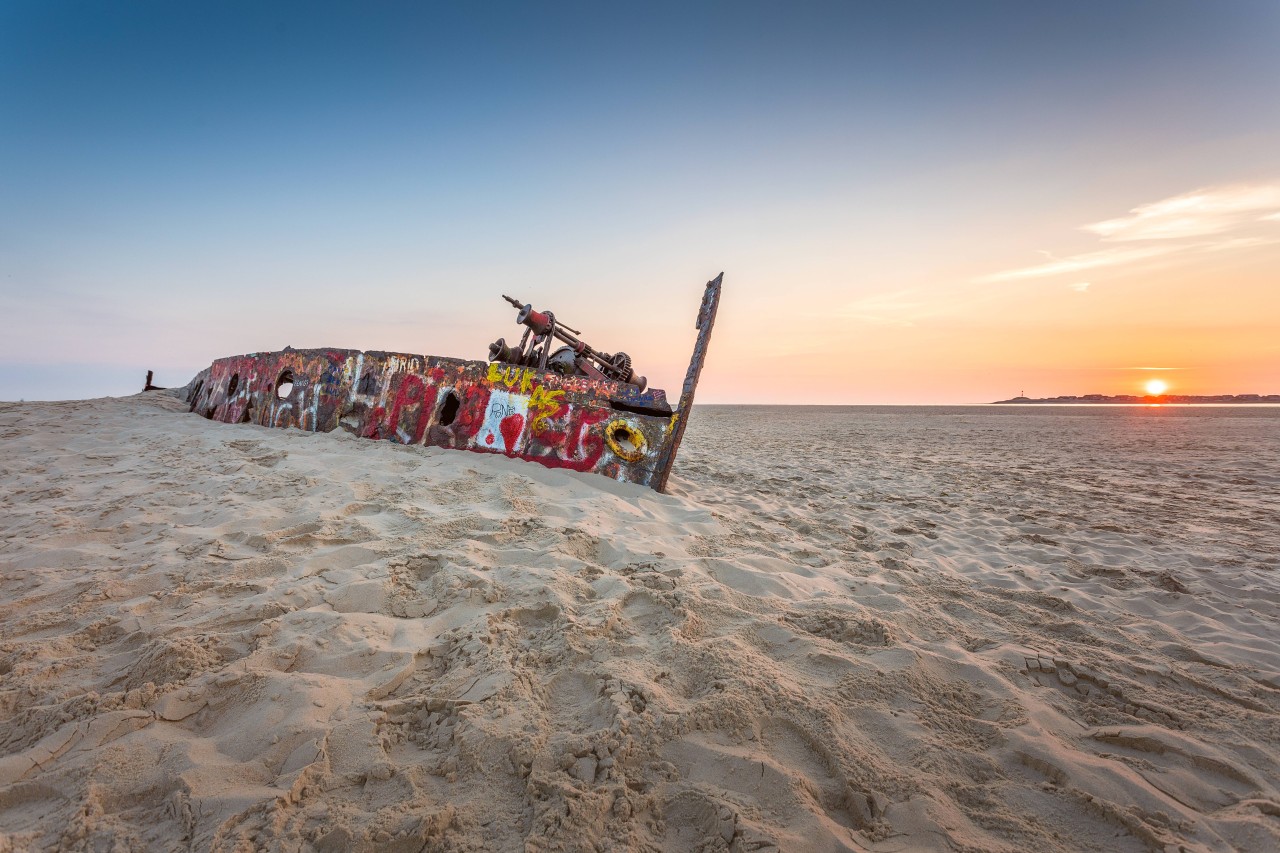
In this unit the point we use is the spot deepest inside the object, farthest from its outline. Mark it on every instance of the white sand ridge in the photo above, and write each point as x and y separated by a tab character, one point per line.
219	637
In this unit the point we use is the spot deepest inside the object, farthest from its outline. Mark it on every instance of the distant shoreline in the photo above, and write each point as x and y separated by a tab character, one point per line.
1153	400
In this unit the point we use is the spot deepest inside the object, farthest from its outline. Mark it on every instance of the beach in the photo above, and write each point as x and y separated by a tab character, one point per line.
844	628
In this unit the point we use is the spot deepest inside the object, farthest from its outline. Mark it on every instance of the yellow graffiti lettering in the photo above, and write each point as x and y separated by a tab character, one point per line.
542	405
511	377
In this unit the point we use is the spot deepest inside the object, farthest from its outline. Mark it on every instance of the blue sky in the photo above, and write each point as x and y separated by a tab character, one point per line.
180	183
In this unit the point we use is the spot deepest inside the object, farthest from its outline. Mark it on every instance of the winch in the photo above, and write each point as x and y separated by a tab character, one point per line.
573	358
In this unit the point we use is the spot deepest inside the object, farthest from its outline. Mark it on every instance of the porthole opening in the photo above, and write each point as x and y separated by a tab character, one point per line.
284	385
450	409
233	384
626	442
622	438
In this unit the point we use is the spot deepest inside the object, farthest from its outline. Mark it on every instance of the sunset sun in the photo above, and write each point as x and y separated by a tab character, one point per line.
1156	387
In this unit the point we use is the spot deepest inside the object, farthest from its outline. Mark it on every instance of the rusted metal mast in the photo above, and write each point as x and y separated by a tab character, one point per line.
679	420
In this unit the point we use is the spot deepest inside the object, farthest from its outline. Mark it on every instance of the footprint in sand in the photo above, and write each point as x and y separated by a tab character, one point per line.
787	777
1097	696
647	614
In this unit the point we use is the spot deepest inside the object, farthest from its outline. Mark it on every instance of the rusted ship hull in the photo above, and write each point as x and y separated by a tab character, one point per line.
575	422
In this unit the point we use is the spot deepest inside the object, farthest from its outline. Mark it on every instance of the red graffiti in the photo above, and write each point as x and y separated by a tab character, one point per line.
552	437
324	390
413	393
576	448
373	426
471	411
511	426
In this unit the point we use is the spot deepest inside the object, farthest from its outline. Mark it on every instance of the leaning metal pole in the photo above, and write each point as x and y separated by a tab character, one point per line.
706	319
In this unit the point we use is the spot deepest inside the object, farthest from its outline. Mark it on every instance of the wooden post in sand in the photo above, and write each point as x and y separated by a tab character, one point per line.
706	319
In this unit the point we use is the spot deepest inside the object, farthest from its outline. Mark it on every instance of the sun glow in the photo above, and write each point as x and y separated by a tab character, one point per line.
1156	387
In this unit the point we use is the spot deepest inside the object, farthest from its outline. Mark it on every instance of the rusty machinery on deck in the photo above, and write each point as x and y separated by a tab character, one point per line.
574	358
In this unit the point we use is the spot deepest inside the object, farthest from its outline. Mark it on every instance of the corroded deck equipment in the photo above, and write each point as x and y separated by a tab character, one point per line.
572	407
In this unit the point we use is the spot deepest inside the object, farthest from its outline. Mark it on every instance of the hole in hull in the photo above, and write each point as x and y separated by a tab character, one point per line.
626	441
233	384
450	409
622	438
284	384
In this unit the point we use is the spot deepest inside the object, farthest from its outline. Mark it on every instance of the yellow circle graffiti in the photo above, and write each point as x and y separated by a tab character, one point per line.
625	441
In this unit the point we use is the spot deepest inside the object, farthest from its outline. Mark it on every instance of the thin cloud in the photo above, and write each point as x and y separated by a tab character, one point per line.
1237	243
1086	261
1080	287
1170	223
901	308
1211	210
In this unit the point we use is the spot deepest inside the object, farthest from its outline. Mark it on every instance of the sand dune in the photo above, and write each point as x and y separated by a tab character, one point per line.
880	631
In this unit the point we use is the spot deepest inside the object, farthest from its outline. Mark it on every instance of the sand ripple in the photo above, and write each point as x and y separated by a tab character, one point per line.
843	631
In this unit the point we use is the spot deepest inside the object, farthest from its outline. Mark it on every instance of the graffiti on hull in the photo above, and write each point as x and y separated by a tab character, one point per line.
531	414
578	422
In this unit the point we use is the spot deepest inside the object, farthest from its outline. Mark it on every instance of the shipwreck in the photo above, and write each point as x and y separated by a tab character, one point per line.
551	398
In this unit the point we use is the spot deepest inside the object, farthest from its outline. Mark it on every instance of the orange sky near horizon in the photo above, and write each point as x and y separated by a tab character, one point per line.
1183	289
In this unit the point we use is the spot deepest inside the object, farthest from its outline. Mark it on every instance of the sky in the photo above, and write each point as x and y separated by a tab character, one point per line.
911	202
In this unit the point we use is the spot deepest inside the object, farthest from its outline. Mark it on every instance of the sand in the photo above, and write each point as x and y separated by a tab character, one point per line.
858	630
